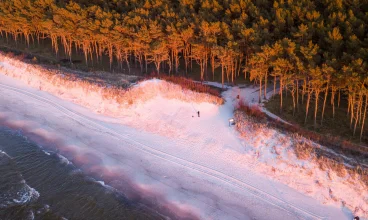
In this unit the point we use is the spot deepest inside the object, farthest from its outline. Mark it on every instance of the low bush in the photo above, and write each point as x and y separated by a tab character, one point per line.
303	150
191	85
252	110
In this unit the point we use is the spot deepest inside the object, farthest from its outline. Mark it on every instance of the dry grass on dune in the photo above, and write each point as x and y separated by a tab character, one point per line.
99	95
191	85
304	150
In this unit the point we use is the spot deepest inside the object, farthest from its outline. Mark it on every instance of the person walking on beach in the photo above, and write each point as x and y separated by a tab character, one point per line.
199	115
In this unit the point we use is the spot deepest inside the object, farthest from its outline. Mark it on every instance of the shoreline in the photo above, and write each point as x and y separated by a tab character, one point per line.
72	179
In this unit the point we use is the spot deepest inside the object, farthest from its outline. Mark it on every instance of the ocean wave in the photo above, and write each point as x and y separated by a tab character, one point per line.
47	153
63	159
26	195
14	190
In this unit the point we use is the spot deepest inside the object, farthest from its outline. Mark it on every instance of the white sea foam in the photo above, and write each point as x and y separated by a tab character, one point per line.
47	153
63	159
23	196
101	182
26	195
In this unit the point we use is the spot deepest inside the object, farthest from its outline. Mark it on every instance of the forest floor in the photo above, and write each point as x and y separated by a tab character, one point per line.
331	126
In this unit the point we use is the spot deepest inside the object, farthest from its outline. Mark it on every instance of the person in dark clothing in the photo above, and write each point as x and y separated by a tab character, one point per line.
198	114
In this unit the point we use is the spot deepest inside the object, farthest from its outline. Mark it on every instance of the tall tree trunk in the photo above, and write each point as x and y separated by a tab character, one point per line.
240	62
232	72
126	56
222	75
364	116
202	64
227	73
359	108
349	102
206	64
297	95
158	64
213	66
110	52
172	61
352	104
145	60
281	90
260	90
324	103
141	62
307	106
316	95
265	85
191	61
235	67
293	97
304	89
333	93
177	62
185	60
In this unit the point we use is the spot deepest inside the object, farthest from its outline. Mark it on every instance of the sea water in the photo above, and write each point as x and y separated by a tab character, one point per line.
37	184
